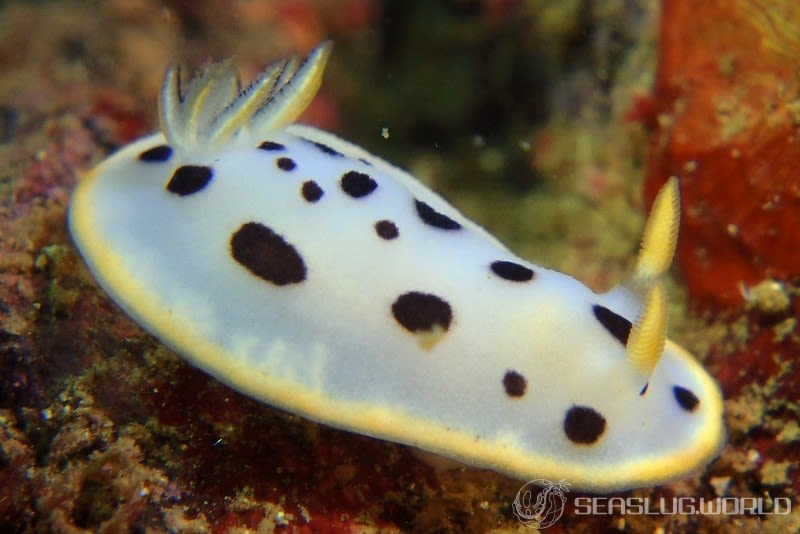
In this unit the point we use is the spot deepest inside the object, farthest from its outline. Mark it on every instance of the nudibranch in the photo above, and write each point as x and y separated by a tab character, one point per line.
307	273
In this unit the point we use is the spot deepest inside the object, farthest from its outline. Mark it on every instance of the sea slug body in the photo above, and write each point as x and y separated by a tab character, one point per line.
307	273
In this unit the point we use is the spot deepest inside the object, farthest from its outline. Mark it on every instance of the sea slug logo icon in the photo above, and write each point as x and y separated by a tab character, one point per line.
540	503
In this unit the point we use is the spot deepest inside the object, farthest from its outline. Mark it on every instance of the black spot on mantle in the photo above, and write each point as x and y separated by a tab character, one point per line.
271	146
311	191
514	384
357	184
267	255
325	149
511	271
431	217
386	229
189	179
584	425
617	325
157	154
685	398
285	164
417	312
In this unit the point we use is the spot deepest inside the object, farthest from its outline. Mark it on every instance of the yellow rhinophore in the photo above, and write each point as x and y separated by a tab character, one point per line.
660	234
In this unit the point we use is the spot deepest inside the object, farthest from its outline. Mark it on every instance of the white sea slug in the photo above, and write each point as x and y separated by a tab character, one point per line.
305	272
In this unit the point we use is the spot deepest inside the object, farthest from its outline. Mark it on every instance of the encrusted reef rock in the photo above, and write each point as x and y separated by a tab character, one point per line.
726	119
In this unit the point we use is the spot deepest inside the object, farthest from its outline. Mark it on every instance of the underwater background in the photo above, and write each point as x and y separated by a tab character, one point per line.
552	123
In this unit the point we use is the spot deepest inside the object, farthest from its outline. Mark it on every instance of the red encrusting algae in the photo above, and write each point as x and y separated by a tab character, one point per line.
727	96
